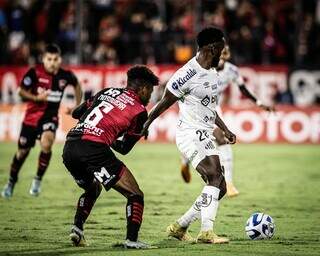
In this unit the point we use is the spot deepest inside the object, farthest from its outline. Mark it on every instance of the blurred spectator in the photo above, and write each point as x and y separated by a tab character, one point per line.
153	31
109	32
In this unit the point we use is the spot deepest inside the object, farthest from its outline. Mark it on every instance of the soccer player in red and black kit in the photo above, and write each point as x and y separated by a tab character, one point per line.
112	119
42	87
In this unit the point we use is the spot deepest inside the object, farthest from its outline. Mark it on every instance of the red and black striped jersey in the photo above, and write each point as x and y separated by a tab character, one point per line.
110	114
37	81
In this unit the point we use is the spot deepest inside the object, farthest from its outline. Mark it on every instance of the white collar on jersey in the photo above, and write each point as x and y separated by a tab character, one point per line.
199	67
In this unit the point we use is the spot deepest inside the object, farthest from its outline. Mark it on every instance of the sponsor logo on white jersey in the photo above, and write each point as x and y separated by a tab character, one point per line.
182	80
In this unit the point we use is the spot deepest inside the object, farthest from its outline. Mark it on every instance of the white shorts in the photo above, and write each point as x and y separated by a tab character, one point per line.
195	145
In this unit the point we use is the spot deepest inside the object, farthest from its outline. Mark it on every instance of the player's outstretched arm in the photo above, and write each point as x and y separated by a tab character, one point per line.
244	90
168	99
231	137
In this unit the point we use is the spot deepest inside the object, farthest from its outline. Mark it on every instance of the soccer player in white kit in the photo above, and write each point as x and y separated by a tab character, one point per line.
195	87
229	75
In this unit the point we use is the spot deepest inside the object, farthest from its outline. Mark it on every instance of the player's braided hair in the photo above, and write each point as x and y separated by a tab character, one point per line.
141	75
208	36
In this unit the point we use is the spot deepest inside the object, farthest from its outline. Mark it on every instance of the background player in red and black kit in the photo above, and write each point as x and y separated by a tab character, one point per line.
42	87
112	119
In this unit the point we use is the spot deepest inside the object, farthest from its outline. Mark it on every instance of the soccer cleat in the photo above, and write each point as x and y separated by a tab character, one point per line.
209	237
35	188
182	234
231	190
185	172
77	237
136	245
7	191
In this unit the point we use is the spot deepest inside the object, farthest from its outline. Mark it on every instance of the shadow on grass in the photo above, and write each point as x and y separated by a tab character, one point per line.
116	247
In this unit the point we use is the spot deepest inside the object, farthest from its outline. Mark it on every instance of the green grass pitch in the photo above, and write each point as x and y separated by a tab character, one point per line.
281	180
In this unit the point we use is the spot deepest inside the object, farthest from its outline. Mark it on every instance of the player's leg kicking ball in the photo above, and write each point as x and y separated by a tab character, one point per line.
205	159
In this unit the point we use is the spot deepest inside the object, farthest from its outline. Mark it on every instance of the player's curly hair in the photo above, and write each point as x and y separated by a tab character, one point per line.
52	48
141	75
208	36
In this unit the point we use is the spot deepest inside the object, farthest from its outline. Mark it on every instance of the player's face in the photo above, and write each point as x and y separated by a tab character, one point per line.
216	49
145	94
51	62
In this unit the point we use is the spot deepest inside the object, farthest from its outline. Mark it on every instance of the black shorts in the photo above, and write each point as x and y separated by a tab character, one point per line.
29	134
86	160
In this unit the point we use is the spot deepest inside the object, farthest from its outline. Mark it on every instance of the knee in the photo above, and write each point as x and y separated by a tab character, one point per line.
22	153
46	147
139	194
94	190
46	143
136	193
135	198
214	177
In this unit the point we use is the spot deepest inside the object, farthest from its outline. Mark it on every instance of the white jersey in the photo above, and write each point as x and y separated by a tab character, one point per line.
197	90
229	75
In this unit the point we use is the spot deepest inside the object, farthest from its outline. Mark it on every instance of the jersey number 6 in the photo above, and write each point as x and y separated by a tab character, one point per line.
97	113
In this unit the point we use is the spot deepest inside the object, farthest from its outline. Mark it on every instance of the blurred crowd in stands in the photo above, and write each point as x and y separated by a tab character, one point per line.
159	31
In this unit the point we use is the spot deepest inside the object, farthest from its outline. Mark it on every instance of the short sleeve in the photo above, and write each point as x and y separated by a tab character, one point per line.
72	79
178	84
29	80
235	75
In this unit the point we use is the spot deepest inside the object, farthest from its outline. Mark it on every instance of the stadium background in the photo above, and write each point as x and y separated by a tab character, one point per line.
276	44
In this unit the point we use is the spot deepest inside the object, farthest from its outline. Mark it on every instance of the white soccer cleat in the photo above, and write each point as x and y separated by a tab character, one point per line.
137	245
77	237
35	188
7	191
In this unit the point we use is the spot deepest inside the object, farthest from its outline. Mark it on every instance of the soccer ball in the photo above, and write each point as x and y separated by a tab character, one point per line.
260	226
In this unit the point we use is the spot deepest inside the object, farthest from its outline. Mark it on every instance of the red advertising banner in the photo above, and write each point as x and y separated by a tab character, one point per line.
264	81
251	125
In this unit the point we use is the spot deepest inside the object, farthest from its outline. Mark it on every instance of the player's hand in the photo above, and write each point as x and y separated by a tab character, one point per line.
42	97
267	108
144	132
231	137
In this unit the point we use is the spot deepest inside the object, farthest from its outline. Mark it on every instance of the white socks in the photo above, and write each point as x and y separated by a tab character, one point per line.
192	214
226	159
209	207
205	206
